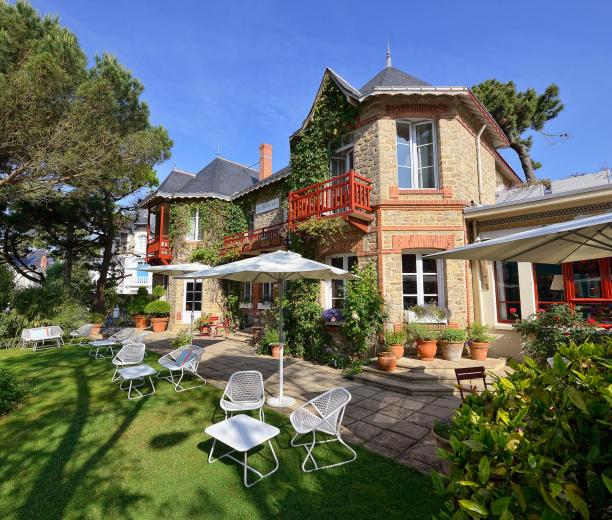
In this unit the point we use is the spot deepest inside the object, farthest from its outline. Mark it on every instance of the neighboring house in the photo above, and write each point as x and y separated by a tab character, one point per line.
133	247
417	156
39	260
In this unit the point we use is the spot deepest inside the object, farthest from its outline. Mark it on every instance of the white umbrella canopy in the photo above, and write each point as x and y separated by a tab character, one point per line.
175	269
275	267
581	239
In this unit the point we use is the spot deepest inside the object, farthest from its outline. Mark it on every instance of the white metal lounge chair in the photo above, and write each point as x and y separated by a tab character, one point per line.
183	359
130	354
244	392
83	333
322	414
42	337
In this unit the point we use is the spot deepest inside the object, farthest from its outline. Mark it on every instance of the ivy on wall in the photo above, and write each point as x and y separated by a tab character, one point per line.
217	218
310	154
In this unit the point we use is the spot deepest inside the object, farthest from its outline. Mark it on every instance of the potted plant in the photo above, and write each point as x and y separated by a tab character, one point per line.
158	312
386	359
452	342
395	340
441	432
479	339
136	308
203	323
429	313
332	315
97	320
270	341
425	340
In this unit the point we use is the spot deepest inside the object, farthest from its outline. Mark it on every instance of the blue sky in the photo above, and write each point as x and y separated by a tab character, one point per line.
235	74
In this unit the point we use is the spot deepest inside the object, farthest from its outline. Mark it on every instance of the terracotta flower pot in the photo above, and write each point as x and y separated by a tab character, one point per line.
398	350
479	351
140	321
452	351
275	350
427	349
96	328
159	324
387	361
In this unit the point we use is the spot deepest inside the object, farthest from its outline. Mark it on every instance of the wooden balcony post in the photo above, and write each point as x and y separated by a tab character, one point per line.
148	231
351	189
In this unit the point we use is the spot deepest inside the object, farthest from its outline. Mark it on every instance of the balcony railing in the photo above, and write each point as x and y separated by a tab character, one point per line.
159	250
256	239
345	195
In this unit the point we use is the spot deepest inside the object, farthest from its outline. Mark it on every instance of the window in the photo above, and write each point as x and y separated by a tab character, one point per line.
588	285
548	285
422	280
141	244
193	296
251	220
341	152
247	292
336	288
416	155
267	292
507	291
142	277
194	233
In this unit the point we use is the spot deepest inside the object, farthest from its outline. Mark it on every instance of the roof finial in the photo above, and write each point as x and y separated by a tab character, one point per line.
218	150
388	62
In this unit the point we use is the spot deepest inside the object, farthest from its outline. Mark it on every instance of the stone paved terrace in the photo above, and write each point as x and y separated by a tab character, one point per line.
388	423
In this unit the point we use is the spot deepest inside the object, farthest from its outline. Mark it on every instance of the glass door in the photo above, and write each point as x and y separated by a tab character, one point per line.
193	301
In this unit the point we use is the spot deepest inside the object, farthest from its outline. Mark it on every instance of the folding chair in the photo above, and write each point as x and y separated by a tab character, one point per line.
470	374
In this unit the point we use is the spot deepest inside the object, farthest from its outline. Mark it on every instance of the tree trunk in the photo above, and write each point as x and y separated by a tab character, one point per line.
68	263
99	301
526	164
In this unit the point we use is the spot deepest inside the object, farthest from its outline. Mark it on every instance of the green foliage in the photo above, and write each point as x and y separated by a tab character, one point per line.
363	312
158	309
398	337
420	332
315	234
138	303
430	311
453	335
305	335
516	112
539	445
204	320
479	333
97	317
543	332
11	391
231	305
310	153
6	286
81	284
181	339
158	291
269	337
443	428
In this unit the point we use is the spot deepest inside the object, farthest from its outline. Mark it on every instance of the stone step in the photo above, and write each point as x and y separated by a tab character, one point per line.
442	364
382	380
415	375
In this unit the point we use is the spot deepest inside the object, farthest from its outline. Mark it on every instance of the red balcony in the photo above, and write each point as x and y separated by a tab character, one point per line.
270	237
159	250
346	196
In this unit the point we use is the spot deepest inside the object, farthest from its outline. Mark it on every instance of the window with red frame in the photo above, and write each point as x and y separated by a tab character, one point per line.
507	291
549	285
588	285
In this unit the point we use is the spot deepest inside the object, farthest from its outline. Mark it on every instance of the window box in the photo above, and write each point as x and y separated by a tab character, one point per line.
246	305
411	317
264	305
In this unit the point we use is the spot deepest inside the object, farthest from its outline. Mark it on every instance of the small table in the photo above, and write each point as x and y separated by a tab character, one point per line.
242	433
136	372
101	343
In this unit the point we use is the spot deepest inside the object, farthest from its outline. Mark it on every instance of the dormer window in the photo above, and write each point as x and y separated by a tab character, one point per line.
416	155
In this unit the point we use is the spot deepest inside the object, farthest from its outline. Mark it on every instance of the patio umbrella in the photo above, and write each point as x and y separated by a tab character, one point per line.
177	270
580	239
278	267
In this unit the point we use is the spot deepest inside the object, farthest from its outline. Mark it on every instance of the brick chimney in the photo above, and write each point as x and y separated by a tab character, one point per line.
265	161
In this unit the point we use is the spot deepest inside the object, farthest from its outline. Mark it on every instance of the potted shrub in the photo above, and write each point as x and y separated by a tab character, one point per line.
270	342
452	342
97	321
395	340
429	313
441	431
203	323
332	315
158	312
479	339
136	308
386	359
425	340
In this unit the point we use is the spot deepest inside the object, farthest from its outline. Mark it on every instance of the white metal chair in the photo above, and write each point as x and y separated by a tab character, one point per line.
82	334
183	359
129	355
42	337
120	337
322	414
244	392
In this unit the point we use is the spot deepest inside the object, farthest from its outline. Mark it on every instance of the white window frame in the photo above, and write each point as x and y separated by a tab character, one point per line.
246	296
328	283
420	294
140	248
414	158
263	304
194	227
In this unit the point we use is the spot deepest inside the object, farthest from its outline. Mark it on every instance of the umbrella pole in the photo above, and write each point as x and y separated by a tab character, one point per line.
282	401
195	283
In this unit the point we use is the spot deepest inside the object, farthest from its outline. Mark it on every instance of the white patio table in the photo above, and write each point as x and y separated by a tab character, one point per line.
242	433
101	344
136	372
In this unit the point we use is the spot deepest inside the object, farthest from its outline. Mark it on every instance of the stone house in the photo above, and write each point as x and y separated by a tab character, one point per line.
416	156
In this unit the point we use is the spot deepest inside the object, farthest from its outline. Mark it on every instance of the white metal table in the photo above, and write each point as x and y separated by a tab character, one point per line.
136	372
242	433
101	344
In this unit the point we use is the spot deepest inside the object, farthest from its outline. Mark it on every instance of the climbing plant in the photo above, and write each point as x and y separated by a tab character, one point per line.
310	153
315	234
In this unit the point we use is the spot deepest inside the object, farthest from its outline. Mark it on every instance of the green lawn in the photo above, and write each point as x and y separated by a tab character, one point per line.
77	448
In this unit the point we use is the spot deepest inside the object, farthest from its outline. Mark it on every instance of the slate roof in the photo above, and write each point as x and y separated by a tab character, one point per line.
176	180
392	77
